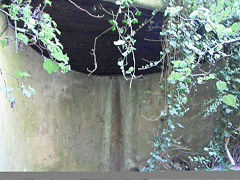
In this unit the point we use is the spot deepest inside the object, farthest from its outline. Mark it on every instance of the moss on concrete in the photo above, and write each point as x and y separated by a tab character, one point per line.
78	123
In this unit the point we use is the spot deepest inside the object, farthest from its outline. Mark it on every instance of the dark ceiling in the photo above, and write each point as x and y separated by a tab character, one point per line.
79	31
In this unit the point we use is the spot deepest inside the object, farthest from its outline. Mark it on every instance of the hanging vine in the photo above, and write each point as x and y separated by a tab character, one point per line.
194	33
32	28
197	34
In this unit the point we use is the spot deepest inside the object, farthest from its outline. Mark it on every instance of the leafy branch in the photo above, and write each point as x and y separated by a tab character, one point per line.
32	28
197	33
38	30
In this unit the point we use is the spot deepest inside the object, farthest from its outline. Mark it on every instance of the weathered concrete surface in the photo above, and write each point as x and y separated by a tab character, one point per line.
73	123
81	123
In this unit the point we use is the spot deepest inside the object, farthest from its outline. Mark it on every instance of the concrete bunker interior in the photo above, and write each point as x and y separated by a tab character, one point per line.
77	122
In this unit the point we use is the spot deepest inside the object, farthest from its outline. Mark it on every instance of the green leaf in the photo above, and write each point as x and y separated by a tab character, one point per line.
200	80
138	13
50	66
235	27
211	76
45	16
194	14
64	67
19	74
3	43
230	100
167	50
170	124
134	21
130	70
120	63
48	2
5	6
176	76
220	29
163	113
173	11
112	22
211	51
225	133
27	12
191	46
221	85
119	42
94	8
118	3
32	90
23	38
173	43
26	92
179	63
126	53
208	27
113	28
217	56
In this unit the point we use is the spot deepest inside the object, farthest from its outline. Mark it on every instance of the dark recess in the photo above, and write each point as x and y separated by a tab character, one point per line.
79	31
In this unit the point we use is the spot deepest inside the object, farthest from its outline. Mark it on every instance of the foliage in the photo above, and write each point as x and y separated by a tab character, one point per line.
33	28
194	33
38	30
197	33
123	22
164	143
20	78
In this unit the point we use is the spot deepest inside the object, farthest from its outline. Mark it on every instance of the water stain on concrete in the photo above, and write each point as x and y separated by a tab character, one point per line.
116	146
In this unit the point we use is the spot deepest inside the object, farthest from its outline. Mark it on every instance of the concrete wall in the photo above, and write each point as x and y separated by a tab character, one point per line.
81	123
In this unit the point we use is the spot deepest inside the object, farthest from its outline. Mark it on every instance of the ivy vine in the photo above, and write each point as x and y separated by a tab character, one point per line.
33	27
198	33
195	33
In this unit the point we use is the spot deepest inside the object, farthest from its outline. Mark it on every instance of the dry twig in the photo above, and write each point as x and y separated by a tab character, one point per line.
86	11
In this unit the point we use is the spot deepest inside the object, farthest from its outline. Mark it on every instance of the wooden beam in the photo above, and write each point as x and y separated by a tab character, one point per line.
146	4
